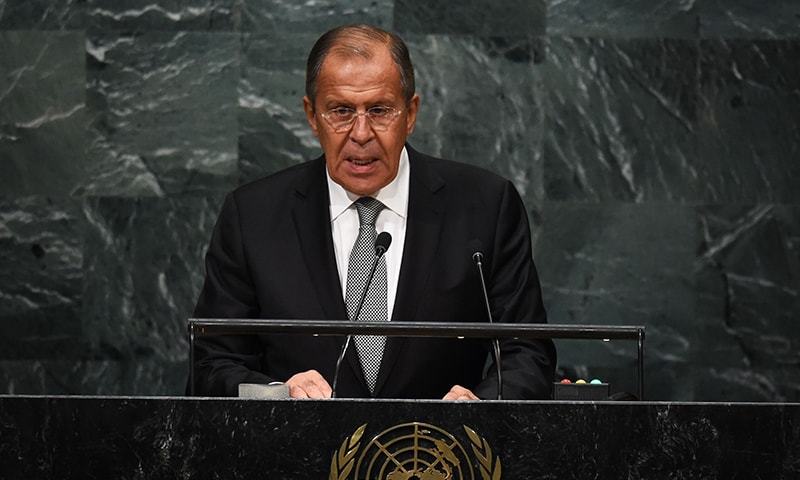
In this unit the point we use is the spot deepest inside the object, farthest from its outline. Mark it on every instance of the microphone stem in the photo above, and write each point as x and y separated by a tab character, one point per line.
339	365
495	342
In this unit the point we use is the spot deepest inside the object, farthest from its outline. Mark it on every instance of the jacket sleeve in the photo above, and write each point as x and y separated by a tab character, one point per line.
221	363
515	297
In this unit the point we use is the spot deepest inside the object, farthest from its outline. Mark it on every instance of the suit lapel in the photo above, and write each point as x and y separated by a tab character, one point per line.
424	222
311	216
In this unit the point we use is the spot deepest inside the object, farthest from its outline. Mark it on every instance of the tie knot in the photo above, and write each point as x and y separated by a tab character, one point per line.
368	210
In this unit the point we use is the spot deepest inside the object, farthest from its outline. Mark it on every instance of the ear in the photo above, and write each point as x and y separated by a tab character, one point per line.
411	116
310	117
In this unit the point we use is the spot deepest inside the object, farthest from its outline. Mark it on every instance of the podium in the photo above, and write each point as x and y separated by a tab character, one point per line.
355	439
208	438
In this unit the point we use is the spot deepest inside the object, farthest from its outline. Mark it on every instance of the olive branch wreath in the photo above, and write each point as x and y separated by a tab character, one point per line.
483	452
344	459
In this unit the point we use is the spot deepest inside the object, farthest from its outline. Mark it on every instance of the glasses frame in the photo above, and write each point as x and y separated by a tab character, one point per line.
395	112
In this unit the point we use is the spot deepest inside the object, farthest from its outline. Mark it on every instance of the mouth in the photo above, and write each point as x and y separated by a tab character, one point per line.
361	161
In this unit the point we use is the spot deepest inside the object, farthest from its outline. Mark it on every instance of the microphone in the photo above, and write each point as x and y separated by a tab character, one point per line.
382	242
477	257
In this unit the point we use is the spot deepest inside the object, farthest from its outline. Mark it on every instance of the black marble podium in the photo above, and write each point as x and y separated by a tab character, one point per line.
153	438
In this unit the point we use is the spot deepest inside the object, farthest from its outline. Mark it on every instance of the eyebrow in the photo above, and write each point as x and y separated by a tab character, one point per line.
382	100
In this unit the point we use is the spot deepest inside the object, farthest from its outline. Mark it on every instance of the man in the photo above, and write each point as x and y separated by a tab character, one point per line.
295	245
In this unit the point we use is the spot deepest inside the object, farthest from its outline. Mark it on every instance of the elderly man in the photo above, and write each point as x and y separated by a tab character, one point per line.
299	244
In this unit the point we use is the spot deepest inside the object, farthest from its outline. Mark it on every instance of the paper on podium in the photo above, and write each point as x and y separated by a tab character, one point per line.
259	390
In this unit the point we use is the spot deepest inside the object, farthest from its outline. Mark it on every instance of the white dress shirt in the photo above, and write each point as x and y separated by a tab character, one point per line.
392	219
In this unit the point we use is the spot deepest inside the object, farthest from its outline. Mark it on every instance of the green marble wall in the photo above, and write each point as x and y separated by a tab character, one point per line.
656	144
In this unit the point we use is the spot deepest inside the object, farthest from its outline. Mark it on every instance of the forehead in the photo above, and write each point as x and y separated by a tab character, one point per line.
348	73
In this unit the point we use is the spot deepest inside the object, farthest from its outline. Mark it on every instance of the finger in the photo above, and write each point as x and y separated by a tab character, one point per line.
313	391
320	384
453	394
316	386
296	385
468	395
326	389
460	393
310	385
296	392
305	389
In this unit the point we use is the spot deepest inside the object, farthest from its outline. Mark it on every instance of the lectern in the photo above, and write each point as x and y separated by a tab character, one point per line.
212	438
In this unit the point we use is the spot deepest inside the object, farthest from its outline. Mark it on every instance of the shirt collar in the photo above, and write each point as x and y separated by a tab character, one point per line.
394	195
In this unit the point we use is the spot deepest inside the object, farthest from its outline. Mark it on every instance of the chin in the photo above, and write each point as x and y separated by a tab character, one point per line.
361	189
363	185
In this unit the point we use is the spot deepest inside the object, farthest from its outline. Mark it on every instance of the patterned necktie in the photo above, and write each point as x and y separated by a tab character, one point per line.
370	347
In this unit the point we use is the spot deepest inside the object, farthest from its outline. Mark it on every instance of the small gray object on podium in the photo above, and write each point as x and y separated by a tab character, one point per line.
275	391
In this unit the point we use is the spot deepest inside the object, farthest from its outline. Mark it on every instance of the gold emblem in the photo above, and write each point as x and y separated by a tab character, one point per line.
414	451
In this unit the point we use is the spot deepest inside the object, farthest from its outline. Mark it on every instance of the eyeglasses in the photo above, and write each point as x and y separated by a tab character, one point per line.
342	119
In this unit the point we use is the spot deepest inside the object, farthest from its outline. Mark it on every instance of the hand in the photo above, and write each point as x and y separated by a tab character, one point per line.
308	384
460	393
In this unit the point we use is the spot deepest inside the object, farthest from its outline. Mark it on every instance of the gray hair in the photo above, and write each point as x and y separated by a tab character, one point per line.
359	40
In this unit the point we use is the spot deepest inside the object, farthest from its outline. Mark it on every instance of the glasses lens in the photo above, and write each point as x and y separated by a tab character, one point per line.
340	118
379	118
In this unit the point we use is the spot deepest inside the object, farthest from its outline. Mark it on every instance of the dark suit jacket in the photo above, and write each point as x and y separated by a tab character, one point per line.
272	256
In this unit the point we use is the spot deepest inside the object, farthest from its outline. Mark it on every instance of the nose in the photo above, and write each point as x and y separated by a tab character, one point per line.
362	132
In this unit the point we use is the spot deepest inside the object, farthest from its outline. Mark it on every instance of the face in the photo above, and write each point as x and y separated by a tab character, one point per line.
361	160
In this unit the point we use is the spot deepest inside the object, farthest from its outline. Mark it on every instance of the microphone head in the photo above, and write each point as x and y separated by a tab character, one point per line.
476	247
382	242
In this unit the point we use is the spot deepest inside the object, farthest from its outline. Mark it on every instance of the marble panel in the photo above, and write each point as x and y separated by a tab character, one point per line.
748	299
163	113
42	14
93	375
170	15
749	18
41	253
749	128
287	17
42	112
623	264
273	132
620	120
143	274
479	105
623	18
475	17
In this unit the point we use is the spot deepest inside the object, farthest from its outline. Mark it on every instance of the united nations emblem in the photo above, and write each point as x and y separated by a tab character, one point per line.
414	451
